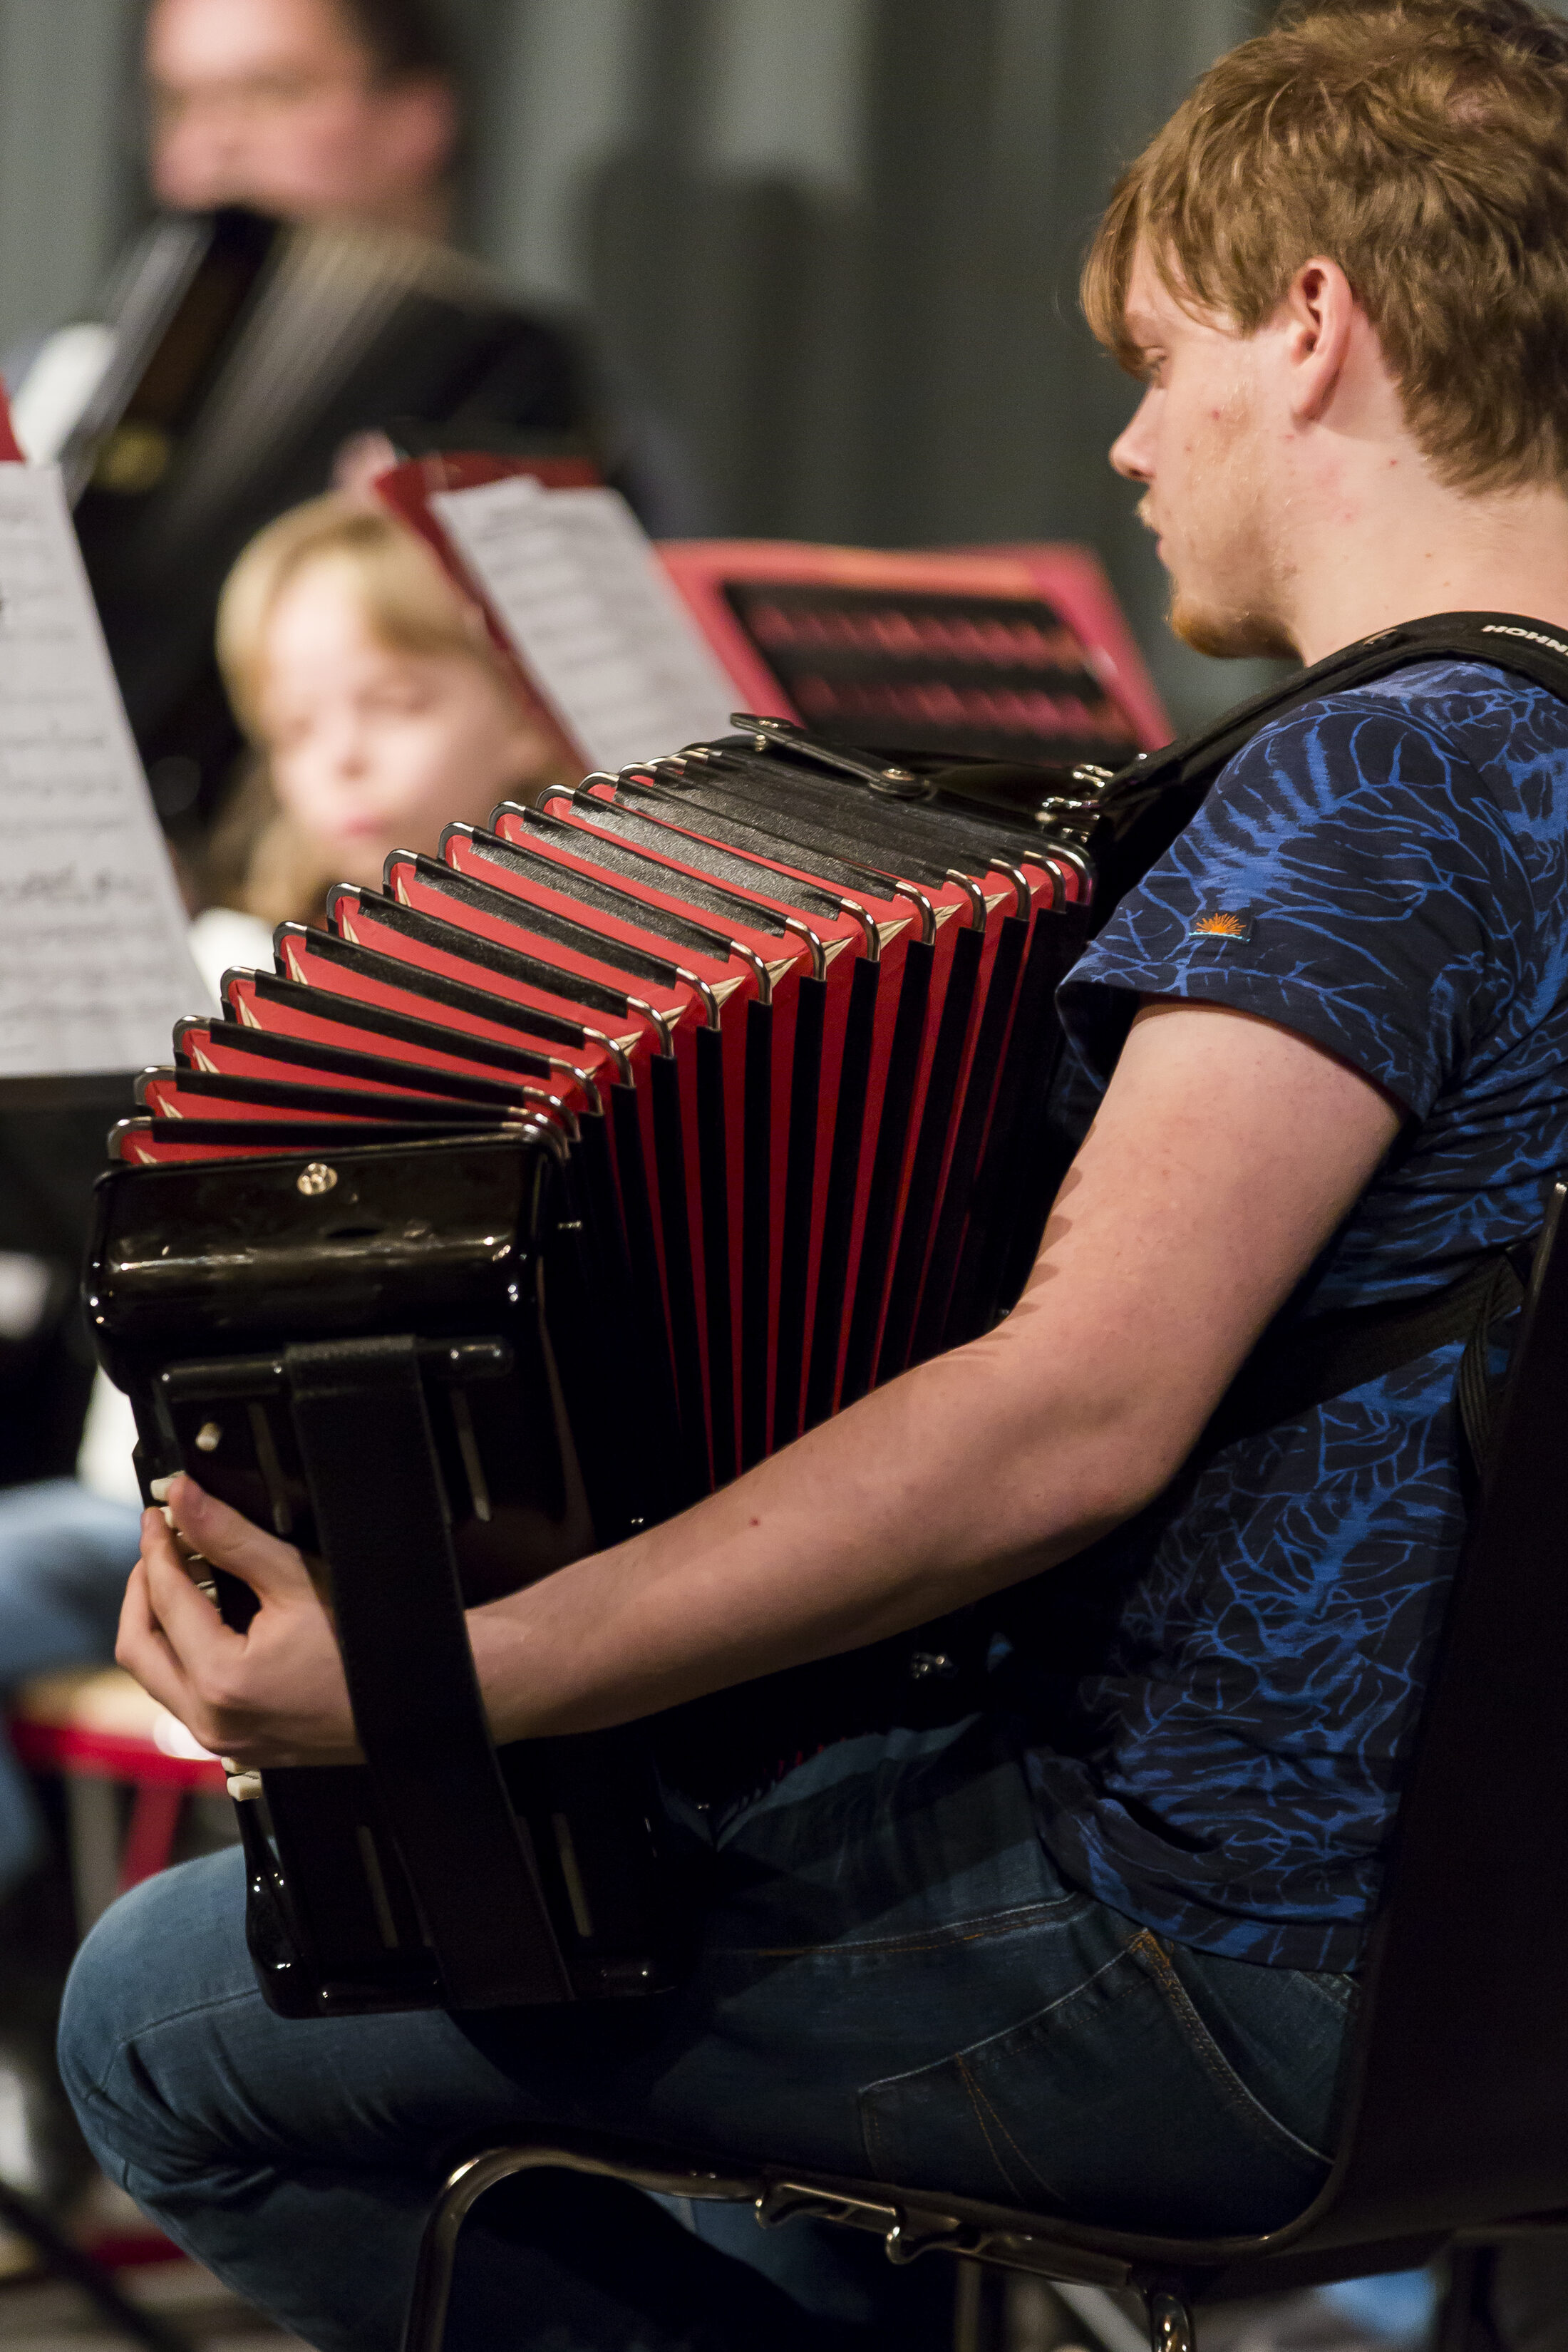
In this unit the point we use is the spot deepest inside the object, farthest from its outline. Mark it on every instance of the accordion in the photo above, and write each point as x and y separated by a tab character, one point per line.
522	1204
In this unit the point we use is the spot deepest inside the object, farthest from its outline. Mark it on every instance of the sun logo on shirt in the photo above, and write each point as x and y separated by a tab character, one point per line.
1221	924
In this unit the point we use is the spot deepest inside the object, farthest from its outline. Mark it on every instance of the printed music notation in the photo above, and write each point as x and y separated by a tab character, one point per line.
93	962
581	595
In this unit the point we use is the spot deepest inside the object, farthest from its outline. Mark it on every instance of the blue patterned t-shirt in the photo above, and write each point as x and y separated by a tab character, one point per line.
1227	1687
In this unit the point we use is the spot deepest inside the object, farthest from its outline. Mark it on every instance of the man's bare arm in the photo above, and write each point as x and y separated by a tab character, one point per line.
1225	1155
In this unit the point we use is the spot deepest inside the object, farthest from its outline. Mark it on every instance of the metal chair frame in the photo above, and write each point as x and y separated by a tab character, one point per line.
1171	2274
1454	2123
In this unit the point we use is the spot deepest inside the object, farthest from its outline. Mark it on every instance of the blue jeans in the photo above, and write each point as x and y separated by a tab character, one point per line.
892	1981
65	1555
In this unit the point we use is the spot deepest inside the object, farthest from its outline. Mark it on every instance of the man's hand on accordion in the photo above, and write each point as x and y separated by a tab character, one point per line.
272	1695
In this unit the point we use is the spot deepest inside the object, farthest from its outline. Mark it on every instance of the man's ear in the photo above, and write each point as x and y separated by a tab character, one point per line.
1318	317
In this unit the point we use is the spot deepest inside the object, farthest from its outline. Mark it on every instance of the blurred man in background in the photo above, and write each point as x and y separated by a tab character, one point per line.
304	109
242	368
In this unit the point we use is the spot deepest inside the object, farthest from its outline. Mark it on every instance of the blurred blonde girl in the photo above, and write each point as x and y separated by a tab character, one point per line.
377	708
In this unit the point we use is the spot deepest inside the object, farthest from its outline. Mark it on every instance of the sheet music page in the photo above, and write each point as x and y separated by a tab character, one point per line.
94	969
575	581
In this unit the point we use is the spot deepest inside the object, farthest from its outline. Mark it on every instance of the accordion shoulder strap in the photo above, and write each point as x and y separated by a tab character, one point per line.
1136	813
1511	641
1326	1356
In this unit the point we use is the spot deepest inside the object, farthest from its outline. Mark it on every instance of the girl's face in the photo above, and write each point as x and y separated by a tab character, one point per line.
373	750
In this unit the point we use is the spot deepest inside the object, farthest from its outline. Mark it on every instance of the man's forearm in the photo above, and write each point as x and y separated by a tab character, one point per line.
925	1495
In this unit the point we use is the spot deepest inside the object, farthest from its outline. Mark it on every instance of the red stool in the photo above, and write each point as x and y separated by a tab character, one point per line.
101	1732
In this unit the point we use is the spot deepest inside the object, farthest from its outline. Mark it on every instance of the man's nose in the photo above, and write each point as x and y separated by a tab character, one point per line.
1133	451
192	164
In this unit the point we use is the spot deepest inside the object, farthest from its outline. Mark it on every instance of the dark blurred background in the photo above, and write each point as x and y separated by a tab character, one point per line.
829	247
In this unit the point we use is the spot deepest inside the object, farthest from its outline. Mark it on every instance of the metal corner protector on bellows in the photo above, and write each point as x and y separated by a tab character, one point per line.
369	1457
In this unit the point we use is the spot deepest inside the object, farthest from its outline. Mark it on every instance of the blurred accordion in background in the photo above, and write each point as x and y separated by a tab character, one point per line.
238	356
530	1199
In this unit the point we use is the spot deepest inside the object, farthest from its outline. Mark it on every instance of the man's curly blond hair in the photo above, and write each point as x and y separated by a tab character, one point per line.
1422	145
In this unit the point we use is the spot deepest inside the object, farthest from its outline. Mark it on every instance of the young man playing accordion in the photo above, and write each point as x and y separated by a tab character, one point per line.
1102	1947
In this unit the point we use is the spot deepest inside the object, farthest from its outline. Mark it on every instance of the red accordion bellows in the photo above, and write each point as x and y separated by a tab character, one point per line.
807	1025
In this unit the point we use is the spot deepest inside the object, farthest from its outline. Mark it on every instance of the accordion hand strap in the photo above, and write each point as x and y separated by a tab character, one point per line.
369	1463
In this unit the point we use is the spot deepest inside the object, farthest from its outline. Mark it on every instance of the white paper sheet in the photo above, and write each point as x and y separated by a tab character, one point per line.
94	969
578	585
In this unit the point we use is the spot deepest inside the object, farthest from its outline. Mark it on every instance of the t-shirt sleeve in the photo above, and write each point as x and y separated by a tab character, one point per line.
1342	879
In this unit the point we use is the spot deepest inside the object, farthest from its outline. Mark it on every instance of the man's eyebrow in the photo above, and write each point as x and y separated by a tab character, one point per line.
1138	339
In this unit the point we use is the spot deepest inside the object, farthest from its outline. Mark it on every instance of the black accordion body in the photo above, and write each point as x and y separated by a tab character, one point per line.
538	1195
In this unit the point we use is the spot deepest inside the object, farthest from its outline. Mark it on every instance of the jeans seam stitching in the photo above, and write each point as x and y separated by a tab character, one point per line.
99	2084
979	2101
979	2111
872	2133
1223	2076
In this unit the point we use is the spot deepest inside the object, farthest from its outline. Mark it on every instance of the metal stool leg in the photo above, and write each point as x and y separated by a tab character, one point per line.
92	1815
967	2311
150	1839
1464	2321
65	2261
1170	2323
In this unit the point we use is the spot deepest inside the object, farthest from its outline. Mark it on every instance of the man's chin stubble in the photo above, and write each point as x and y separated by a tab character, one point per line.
1227	636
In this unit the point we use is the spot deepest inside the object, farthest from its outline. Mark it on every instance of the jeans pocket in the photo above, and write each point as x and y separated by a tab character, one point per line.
1281	2032
1113	2103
